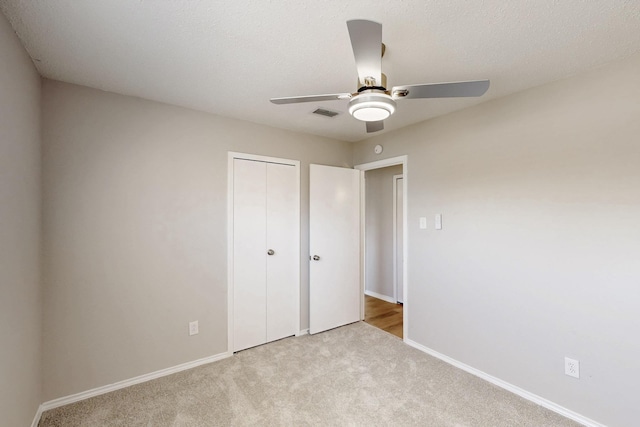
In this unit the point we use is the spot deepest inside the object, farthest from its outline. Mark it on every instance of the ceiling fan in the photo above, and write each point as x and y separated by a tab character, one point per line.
372	103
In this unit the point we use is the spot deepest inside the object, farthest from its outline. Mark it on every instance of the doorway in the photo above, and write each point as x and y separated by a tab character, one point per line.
384	245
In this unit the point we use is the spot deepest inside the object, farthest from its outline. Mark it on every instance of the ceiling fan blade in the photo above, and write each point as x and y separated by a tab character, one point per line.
366	41
375	126
442	90
310	98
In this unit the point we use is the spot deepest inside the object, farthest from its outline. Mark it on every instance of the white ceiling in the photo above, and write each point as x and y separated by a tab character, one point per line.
229	57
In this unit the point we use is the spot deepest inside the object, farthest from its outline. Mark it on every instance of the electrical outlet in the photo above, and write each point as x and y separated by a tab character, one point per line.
193	327
572	367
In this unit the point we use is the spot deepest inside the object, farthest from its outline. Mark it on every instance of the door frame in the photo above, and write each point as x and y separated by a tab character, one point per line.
392	161
266	159
395	234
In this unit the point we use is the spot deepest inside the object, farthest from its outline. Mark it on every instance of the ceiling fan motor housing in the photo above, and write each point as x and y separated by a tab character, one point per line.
372	105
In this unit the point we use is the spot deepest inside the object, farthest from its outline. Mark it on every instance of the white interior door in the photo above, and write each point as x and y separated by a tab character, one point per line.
398	216
282	251
249	266
334	240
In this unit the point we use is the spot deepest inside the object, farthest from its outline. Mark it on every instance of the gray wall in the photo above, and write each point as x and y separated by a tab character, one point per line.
20	297
135	220
538	257
379	229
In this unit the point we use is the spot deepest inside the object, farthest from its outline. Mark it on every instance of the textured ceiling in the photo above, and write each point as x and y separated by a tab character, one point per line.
229	57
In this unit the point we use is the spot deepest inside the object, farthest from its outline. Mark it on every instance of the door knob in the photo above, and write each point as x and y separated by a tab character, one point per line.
271	252
316	258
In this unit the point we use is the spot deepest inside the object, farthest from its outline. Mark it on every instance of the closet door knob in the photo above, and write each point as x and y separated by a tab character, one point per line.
271	252
316	258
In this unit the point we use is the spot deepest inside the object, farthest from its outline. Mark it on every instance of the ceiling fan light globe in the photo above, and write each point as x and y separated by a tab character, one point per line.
372	107
371	113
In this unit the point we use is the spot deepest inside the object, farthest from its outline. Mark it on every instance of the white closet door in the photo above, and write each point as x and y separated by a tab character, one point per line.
282	238
249	263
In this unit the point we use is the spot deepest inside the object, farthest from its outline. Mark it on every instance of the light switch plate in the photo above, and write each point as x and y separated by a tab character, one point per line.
423	222
439	222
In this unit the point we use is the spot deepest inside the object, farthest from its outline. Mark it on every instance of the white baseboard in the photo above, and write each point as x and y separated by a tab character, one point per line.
303	332
380	296
126	383
182	367
36	418
509	387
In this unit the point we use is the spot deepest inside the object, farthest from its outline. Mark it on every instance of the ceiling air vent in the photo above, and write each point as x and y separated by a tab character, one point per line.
328	113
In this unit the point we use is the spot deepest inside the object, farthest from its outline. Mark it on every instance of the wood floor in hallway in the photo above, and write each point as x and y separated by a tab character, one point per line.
384	315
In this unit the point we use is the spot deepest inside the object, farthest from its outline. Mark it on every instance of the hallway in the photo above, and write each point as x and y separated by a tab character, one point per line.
384	315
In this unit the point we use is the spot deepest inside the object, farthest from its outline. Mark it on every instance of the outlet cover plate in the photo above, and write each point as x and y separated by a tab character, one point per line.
193	327
572	367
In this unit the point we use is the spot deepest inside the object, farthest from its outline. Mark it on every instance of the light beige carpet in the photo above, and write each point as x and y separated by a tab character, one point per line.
356	375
